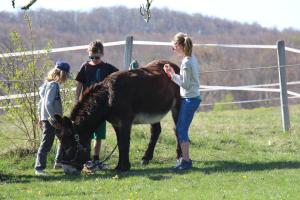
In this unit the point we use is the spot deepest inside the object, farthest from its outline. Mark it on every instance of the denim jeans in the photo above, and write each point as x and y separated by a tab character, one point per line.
45	146
188	108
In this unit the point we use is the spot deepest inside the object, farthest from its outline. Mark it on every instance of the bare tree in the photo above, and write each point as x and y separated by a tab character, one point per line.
144	9
25	7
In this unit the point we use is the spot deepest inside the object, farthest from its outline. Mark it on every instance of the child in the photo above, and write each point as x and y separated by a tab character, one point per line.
188	80
49	105
91	72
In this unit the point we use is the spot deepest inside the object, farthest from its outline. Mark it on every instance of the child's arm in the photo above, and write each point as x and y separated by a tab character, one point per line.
79	89
50	98
183	79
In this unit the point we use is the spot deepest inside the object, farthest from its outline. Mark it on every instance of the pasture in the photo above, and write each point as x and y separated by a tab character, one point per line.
240	154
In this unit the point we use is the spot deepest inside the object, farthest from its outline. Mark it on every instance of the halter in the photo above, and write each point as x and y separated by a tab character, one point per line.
79	148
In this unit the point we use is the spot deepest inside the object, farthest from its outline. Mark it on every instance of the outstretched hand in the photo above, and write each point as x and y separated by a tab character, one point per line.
40	124
169	70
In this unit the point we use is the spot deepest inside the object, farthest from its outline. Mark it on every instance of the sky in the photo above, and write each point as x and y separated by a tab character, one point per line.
279	14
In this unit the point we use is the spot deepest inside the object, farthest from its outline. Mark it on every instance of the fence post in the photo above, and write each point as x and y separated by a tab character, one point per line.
283	87
128	51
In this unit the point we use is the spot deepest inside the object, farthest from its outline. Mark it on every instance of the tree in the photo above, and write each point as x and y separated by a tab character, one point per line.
26	6
144	9
22	76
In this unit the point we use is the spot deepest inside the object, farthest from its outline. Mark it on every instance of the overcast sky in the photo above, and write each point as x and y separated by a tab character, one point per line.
268	13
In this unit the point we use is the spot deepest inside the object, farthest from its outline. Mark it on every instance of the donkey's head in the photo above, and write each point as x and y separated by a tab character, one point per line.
74	150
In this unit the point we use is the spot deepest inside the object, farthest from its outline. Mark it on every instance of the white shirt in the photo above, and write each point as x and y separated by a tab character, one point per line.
188	79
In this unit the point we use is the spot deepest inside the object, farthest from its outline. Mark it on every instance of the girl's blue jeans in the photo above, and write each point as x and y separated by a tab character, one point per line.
188	108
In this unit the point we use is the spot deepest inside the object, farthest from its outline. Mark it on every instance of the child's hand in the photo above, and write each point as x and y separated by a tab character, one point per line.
168	69
40	124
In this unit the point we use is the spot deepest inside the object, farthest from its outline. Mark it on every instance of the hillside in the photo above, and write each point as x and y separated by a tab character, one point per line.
114	24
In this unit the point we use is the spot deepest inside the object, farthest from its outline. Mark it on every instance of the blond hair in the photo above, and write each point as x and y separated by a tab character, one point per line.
56	75
96	47
185	41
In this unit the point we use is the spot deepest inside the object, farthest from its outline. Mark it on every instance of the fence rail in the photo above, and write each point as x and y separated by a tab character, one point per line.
280	47
136	42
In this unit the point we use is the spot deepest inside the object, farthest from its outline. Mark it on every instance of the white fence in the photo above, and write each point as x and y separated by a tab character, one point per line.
257	88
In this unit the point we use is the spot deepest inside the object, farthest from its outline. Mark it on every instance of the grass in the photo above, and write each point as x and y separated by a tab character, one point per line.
241	154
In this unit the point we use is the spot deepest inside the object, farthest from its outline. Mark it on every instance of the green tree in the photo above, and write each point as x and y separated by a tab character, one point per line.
22	75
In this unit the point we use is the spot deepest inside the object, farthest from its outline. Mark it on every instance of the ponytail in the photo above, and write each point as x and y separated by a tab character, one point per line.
185	41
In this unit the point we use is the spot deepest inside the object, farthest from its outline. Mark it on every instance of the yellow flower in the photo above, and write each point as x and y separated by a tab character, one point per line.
115	177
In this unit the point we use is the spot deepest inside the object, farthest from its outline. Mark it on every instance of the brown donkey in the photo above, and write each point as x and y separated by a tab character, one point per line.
140	96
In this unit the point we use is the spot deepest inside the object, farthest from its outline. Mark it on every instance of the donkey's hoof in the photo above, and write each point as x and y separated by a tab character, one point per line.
122	168
144	162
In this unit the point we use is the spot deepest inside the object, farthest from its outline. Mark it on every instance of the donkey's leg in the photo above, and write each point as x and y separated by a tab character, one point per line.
155	132
175	114
116	128
123	139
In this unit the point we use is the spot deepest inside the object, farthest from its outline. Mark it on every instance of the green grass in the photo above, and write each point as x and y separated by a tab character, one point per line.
241	154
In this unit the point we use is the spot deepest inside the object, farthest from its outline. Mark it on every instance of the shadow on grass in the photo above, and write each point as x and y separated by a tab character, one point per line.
155	174
234	166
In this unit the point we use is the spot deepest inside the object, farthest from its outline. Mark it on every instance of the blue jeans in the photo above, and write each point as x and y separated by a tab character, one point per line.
45	146
188	108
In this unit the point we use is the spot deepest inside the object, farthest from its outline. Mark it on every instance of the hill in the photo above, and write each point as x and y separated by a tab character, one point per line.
113	24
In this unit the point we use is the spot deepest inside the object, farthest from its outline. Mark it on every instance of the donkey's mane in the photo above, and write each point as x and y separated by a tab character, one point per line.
92	98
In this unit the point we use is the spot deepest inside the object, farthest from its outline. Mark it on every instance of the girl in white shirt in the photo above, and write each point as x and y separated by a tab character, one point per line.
188	80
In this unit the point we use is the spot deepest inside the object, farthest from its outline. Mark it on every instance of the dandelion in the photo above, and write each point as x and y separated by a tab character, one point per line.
115	177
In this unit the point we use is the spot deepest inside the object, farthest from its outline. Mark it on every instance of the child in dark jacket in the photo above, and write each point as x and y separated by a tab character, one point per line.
50	104
91	72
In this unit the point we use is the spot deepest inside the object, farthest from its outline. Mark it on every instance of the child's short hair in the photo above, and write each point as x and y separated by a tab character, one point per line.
96	47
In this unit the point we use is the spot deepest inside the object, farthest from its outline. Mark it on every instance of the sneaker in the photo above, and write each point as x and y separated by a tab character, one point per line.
183	166
89	164
99	165
178	162
57	166
40	172
94	165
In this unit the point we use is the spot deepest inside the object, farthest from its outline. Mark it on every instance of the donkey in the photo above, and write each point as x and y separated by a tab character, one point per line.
141	96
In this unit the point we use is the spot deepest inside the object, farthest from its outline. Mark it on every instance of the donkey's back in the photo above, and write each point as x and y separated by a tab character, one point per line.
145	94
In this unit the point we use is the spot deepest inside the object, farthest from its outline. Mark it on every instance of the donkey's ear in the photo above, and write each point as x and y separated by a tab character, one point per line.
56	121
67	122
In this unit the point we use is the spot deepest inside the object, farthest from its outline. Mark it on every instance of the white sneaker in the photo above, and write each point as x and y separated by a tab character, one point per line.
40	173
57	166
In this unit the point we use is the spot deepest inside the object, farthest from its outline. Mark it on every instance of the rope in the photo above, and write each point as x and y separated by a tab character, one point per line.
247	101
238	69
108	157
248	68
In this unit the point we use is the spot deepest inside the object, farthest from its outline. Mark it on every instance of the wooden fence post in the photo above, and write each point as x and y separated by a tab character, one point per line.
128	51
283	87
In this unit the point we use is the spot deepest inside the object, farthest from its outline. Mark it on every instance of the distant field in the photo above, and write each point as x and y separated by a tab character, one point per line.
241	154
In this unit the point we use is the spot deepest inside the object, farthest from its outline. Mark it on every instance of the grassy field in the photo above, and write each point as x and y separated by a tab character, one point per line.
241	154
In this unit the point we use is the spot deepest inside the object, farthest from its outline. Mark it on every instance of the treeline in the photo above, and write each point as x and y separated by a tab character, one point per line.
113	24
